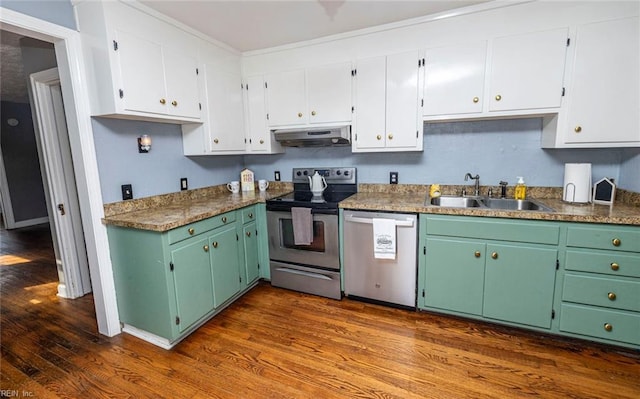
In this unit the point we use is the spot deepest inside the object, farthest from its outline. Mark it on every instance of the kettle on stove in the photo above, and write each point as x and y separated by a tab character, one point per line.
317	184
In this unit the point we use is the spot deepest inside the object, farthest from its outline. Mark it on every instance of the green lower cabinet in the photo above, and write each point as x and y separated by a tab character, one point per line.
454	278
225	264
193	281
250	248
519	284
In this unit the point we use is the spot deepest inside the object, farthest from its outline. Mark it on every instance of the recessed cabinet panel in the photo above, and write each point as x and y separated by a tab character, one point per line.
286	97
603	95
527	71
257	130
329	92
181	83
454	79
402	100
225	265
371	89
224	95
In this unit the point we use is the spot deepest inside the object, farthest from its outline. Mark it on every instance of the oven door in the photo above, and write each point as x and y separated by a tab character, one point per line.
323	250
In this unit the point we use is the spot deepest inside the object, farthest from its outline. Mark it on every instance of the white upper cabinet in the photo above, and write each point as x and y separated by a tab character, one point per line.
603	94
259	138
139	66
314	95
527	71
454	79
387	108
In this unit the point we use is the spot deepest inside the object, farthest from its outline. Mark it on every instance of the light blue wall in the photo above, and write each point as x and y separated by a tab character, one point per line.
156	172
59	12
630	170
496	150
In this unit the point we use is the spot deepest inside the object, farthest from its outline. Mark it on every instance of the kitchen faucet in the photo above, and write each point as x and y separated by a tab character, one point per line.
476	188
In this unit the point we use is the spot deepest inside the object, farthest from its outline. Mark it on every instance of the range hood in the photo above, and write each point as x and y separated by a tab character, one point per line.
314	137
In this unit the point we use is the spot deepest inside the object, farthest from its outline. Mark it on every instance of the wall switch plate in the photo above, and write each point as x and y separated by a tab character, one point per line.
276	175
127	192
183	184
393	177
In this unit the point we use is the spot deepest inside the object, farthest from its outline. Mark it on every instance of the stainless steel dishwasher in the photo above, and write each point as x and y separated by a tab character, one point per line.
387	280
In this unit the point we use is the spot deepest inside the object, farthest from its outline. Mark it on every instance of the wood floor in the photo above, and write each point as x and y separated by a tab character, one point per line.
274	343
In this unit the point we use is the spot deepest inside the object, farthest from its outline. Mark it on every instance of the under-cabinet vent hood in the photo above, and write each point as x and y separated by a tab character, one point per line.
314	137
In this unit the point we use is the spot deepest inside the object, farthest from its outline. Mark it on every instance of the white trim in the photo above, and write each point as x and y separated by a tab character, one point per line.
148	337
7	207
30	222
73	80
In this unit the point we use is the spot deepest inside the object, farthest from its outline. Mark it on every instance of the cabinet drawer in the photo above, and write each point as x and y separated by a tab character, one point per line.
494	229
193	229
248	214
607	292
621	238
606	262
585	320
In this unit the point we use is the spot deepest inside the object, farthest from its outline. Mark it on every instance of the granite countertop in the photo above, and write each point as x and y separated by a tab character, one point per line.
411	198
165	212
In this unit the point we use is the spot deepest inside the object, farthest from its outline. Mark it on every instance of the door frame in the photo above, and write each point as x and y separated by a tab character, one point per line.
71	65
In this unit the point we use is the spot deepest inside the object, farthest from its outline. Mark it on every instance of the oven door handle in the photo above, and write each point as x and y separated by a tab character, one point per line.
399	223
303	273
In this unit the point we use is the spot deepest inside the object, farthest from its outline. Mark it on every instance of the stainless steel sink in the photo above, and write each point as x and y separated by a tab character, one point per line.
514	204
456	202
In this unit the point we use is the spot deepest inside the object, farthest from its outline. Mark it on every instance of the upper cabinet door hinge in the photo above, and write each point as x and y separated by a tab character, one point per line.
568	41
171	267
265	85
115	46
353	109
267	116
422	102
354	72
197	71
421	63
563	91
121	93
200	106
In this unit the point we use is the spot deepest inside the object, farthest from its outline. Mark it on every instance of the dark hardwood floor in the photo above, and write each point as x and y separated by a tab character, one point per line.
274	343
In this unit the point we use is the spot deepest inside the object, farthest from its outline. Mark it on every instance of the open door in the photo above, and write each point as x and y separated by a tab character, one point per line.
57	172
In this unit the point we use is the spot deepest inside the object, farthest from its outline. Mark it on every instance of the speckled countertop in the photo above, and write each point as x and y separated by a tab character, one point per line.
411	198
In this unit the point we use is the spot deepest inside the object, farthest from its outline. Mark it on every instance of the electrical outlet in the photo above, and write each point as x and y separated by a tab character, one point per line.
276	175
127	192
183	184
393	177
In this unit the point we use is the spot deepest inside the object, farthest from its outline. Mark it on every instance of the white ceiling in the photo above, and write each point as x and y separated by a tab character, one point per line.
257	24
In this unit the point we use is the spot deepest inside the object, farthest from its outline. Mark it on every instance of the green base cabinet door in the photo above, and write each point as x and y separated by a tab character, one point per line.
225	264
519	284
250	247
193	281
454	274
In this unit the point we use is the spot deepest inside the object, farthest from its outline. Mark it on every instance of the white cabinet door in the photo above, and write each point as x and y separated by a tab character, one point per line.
370	103
403	122
141	73
454	79
181	77
257	132
224	95
603	94
329	93
286	95
527	71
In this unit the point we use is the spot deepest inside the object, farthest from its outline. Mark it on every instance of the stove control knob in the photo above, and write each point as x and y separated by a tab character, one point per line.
306	173
298	173
338	172
346	173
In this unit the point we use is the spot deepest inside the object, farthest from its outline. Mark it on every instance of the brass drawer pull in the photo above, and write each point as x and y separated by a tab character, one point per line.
477	254
608	327
615	266
498	97
215	244
378	137
191	231
390	136
206	248
611	296
313	113
163	101
299	114
216	141
248	234
261	141
476	99
494	255
224	219
174	103
616	242
577	129
250	215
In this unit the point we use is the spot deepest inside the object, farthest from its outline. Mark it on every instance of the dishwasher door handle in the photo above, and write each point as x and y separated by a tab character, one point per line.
303	273
399	223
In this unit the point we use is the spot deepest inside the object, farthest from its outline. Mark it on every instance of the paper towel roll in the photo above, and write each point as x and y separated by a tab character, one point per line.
577	183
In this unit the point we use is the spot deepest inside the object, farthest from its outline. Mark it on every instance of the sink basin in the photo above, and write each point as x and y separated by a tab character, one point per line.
514	204
456	202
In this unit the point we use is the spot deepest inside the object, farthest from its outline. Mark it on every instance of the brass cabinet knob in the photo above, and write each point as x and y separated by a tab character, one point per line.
313	113
616	242
577	129
174	103
206	248
390	136
261	141
378	137
498	97
248	234
215	244
615	266
611	296
250	215
608	327
163	101
299	114
476	99
216	141
191	231
494	255
477	254
224	219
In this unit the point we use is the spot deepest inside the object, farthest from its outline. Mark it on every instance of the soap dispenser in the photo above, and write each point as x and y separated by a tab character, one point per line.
521	189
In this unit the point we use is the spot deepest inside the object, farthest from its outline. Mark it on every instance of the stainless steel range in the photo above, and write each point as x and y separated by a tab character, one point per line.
311	266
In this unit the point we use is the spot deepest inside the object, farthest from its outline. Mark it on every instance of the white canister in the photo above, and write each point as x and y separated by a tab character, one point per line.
577	183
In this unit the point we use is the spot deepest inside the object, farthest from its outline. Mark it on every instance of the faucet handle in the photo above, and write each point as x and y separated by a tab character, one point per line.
503	183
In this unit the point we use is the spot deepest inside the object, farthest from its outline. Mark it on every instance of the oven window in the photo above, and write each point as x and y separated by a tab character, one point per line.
318	243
